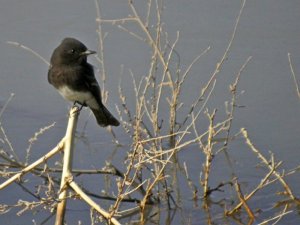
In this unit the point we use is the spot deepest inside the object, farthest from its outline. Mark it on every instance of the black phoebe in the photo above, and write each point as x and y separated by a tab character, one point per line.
74	78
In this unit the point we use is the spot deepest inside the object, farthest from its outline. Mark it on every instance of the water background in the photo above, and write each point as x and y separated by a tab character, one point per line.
268	31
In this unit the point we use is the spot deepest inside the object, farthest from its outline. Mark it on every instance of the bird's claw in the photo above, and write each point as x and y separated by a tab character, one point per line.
78	107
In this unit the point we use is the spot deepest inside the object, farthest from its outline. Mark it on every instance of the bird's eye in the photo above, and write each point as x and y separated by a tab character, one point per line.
72	51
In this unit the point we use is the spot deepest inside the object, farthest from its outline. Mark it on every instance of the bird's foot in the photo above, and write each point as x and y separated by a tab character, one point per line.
79	107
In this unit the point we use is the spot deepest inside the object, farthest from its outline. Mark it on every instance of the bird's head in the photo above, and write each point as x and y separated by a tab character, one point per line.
70	52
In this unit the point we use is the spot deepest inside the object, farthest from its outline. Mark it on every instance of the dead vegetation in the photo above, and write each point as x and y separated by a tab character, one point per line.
153	163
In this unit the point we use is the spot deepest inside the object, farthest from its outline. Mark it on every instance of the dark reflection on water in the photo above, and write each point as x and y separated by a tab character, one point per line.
267	31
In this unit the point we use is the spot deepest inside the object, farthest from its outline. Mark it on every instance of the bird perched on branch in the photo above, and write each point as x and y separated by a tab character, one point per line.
74	78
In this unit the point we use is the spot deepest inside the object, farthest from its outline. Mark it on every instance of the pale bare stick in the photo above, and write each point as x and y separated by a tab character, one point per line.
27	169
244	201
267	163
265	181
34	139
294	76
93	204
277	217
220	63
30	50
6	104
67	165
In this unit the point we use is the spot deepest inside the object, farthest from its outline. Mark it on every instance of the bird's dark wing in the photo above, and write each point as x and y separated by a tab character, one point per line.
103	116
91	83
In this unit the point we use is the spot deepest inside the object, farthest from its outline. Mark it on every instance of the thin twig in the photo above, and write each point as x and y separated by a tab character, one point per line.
34	138
243	200
266	162
27	169
220	63
293	74
28	49
93	204
6	104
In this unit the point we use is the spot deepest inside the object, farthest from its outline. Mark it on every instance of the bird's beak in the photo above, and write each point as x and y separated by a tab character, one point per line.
88	52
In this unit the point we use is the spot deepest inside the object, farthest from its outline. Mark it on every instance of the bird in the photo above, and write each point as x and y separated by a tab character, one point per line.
74	78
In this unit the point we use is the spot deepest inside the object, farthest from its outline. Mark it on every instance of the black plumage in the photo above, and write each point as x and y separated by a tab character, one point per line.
74	78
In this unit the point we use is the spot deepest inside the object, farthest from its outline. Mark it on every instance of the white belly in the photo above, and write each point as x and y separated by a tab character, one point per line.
81	97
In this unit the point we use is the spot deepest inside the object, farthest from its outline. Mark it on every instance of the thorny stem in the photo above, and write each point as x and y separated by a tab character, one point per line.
266	162
121	186
208	152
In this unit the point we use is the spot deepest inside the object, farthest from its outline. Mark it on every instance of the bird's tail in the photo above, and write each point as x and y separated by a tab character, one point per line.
104	117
